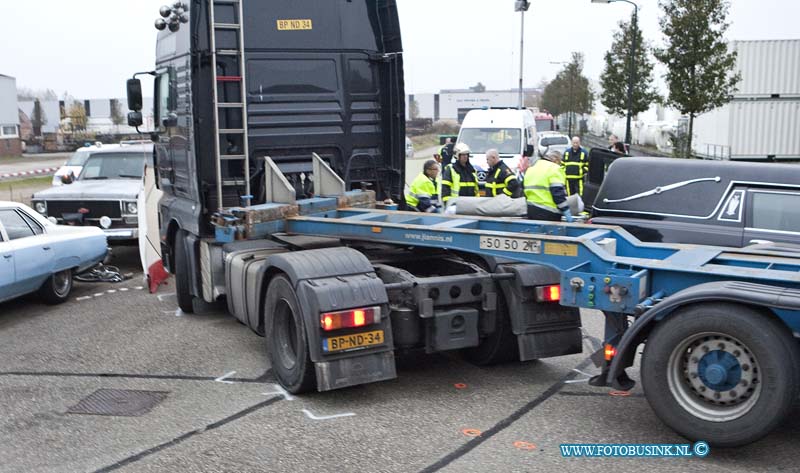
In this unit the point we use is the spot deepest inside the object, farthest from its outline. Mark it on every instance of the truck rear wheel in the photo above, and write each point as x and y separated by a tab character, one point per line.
287	345
722	373
182	274
498	347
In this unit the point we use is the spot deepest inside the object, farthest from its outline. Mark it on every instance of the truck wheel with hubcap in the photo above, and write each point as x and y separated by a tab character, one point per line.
285	335
722	373
182	274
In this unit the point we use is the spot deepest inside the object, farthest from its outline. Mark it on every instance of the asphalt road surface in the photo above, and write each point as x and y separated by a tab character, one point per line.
221	410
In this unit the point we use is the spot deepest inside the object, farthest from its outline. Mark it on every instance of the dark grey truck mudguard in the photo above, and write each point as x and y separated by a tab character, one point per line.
329	280
755	295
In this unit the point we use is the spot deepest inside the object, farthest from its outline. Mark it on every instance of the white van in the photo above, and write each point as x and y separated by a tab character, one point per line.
511	131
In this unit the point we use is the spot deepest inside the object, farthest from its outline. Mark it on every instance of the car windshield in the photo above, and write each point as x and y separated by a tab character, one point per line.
113	166
479	140
555	140
79	158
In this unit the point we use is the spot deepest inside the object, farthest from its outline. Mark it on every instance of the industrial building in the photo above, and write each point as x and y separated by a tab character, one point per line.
10	144
454	104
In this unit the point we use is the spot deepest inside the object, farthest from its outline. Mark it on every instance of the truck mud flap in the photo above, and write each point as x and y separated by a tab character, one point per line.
543	329
356	370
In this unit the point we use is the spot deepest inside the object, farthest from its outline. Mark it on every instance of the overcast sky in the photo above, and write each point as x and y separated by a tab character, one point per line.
89	47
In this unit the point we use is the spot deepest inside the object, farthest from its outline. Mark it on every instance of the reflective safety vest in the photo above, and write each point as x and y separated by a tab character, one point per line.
458	185
422	186
544	186
575	167
499	181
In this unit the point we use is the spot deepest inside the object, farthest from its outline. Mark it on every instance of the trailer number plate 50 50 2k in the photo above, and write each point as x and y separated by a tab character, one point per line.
518	245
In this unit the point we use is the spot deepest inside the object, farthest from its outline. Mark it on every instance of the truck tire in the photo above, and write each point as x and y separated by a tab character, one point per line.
285	334
57	287
721	373
182	274
501	346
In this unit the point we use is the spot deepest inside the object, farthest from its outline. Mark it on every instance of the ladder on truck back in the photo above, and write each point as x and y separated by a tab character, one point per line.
230	110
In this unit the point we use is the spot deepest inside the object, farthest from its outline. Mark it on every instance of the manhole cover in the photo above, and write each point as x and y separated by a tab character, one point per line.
118	402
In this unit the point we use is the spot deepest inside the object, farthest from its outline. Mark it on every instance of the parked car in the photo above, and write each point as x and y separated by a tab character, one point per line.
409	149
720	203
551	139
39	256
104	194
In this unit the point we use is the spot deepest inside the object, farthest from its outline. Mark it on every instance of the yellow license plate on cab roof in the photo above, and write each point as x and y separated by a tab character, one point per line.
352	342
291	25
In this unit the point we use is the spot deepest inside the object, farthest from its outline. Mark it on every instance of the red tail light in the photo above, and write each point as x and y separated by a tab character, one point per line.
350	318
610	352
548	293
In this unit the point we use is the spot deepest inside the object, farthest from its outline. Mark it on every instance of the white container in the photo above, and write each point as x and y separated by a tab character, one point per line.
750	129
768	68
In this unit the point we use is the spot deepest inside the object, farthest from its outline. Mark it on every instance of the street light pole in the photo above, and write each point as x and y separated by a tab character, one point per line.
521	6
632	72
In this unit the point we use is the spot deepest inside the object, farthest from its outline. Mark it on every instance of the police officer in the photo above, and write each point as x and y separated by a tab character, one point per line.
545	189
499	178
423	195
459	179
576	167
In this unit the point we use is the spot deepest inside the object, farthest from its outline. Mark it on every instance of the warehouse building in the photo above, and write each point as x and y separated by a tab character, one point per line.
10	144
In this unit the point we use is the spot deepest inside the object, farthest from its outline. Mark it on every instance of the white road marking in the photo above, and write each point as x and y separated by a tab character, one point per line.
583	372
161	297
123	289
83	298
111	291
311	415
138	288
99	294
279	391
576	381
221	379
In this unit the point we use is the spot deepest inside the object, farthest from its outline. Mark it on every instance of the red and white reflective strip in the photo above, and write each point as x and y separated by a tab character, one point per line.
29	173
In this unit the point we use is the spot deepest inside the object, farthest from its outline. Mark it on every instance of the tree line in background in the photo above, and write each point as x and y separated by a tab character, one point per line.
699	68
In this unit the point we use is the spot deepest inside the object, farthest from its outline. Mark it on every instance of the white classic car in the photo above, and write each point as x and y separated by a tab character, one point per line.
103	194
37	255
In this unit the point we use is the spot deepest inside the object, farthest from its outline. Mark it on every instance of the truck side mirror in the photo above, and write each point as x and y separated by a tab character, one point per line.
68	178
134	95
170	120
134	119
528	151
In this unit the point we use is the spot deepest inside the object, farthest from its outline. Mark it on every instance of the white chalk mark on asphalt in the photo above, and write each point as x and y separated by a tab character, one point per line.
83	298
311	415
111	291
123	289
99	294
222	378
576	381
138	288
582	372
161	297
279	391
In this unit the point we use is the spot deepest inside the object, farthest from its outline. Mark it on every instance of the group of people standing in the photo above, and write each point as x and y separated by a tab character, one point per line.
546	185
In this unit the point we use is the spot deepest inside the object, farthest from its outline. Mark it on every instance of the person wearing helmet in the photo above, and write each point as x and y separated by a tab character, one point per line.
459	179
423	195
545	189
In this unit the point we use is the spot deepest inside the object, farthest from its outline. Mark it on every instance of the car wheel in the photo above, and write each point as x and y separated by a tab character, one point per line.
722	373
182	274
287	344
57	287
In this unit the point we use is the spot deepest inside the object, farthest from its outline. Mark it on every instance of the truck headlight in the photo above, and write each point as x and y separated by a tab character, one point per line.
131	208
41	208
